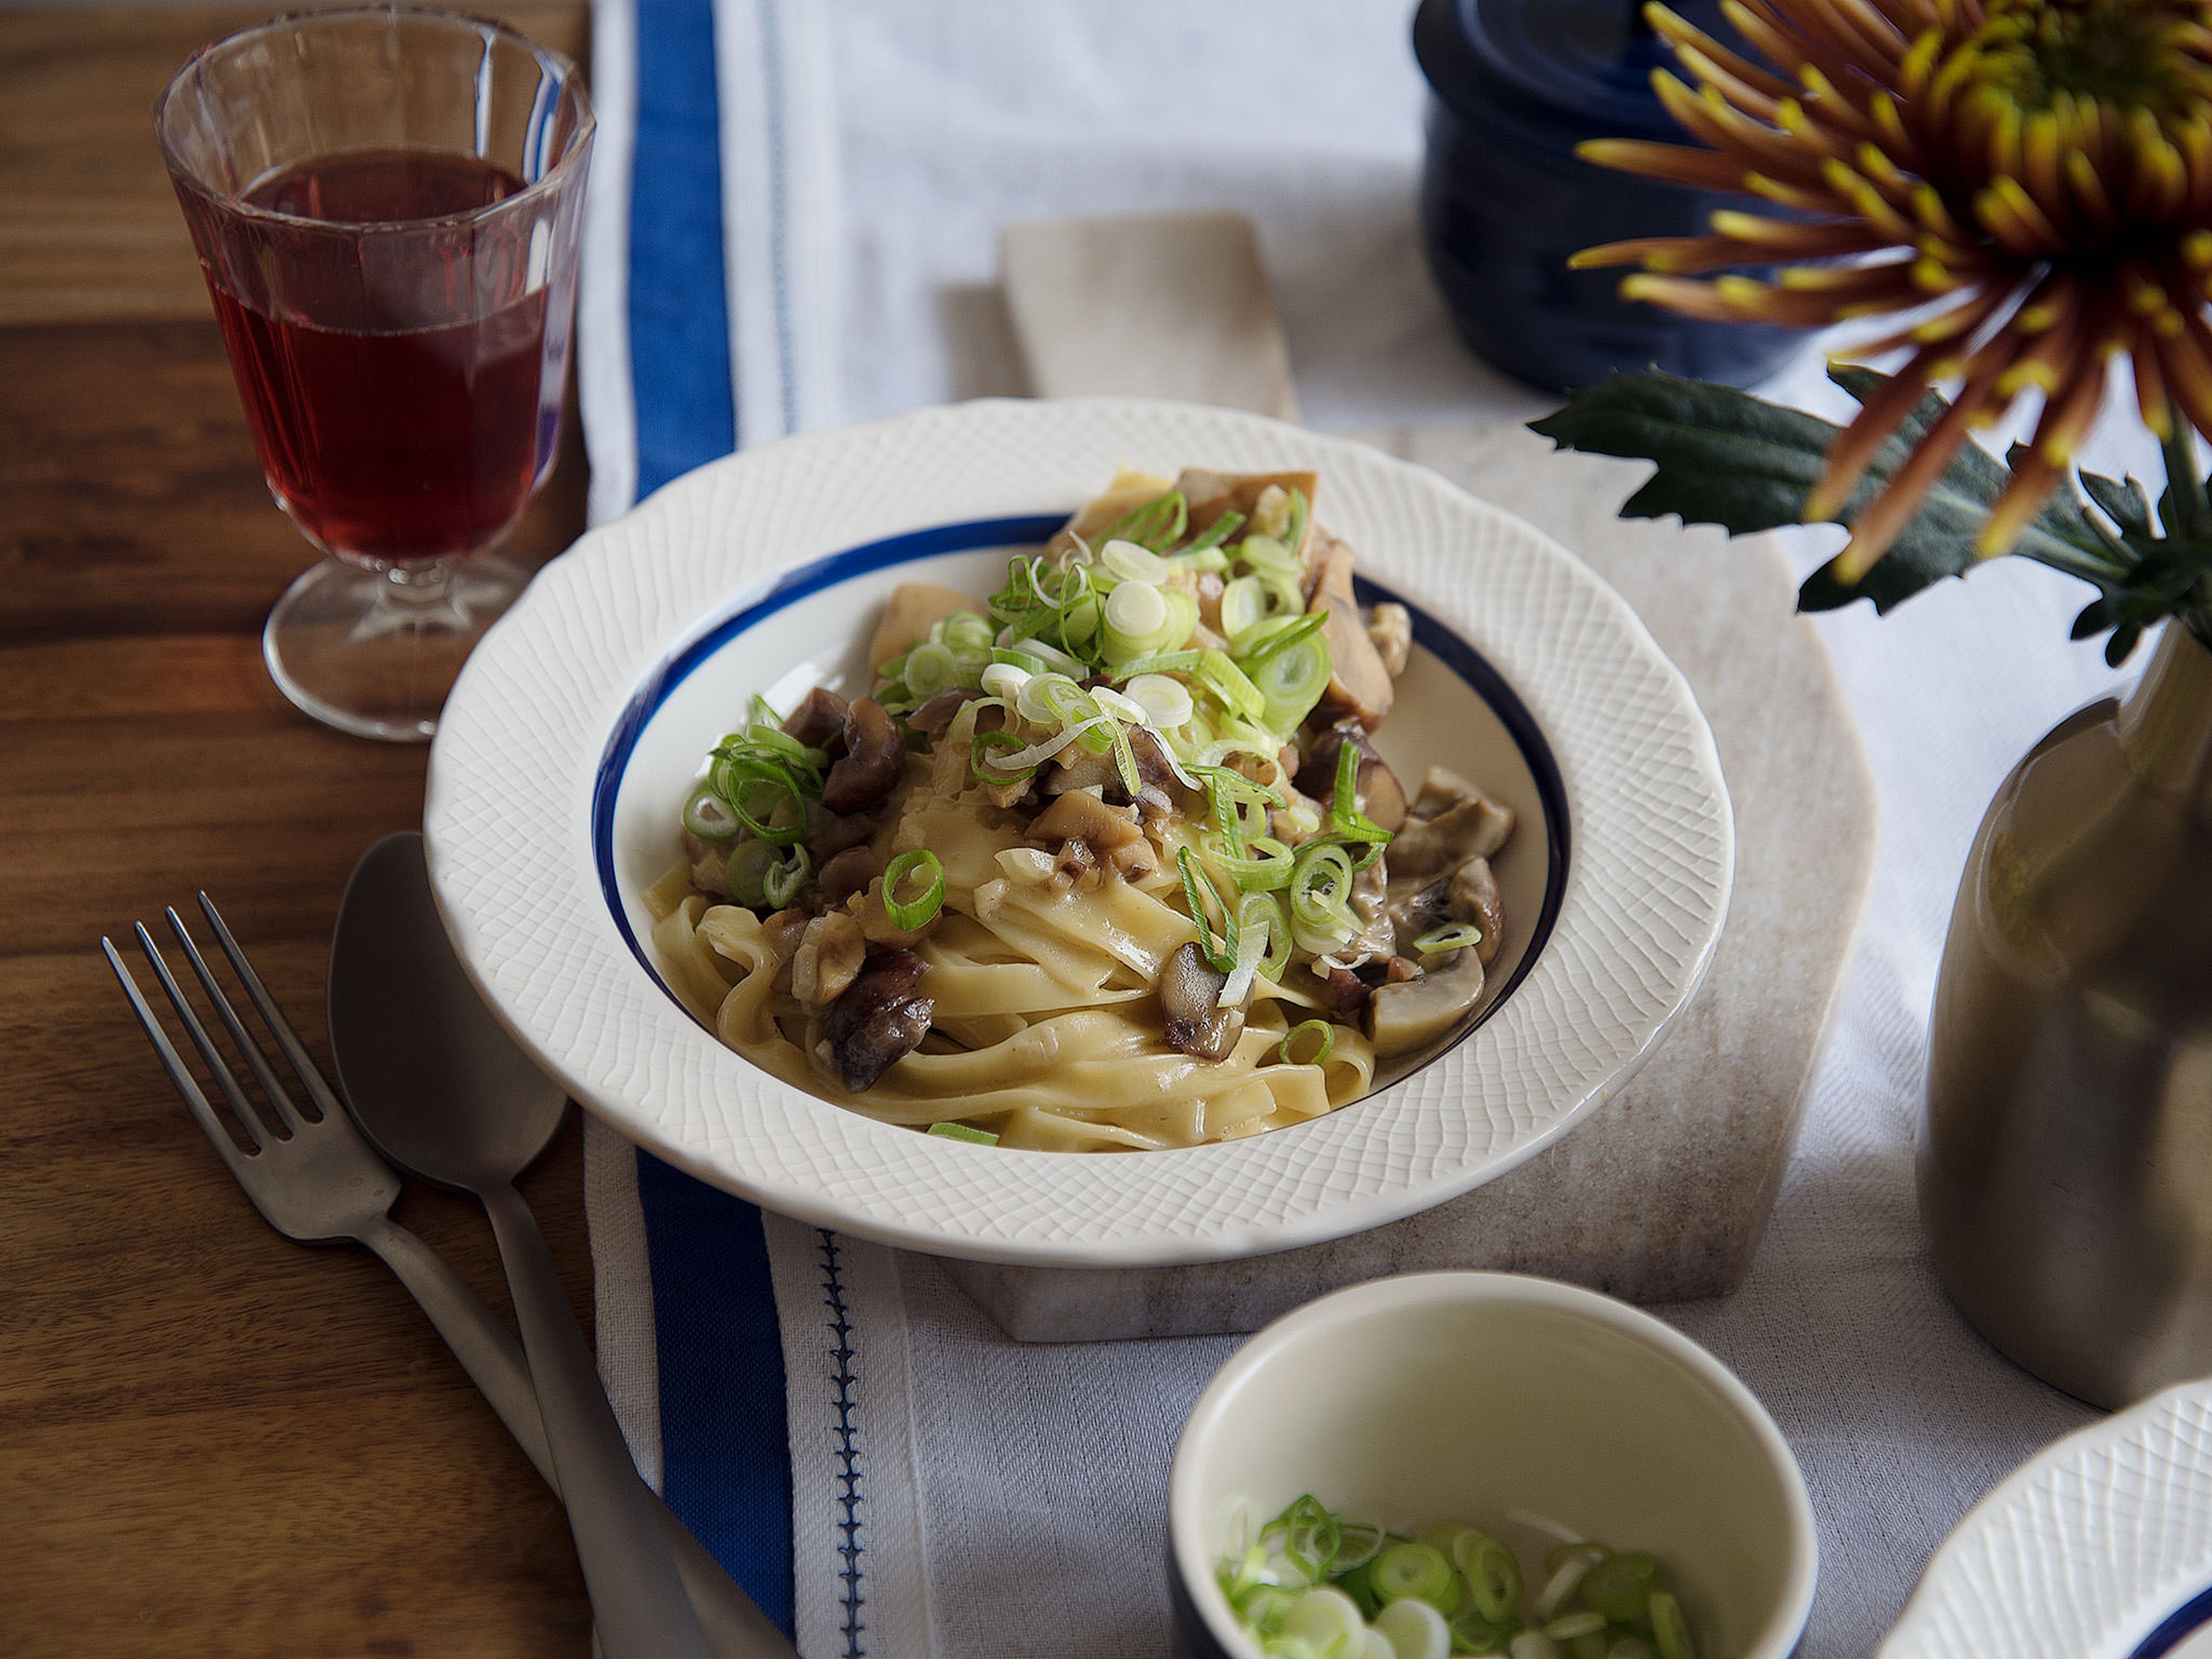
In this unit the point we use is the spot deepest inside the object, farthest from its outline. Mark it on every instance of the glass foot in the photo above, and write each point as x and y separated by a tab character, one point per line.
373	652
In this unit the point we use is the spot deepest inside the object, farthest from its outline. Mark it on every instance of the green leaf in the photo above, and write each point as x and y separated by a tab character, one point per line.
2124	504
1727	458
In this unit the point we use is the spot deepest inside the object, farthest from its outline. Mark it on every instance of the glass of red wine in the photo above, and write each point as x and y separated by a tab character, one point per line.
385	203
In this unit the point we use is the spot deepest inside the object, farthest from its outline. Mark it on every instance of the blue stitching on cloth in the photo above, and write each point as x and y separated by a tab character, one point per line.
850	1494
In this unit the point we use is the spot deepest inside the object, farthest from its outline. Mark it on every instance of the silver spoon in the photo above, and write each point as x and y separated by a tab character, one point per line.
438	1086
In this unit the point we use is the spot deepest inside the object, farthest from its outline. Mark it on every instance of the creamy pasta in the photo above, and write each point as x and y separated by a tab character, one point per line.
1102	862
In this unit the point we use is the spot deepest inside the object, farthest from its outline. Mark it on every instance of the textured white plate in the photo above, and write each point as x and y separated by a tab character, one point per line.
537	843
2099	1548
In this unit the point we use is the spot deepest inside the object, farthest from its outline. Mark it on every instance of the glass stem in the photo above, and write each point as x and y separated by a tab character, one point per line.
416	586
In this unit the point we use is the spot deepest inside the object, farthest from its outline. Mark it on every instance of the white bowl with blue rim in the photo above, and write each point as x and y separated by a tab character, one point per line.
2098	1547
565	750
1541	1412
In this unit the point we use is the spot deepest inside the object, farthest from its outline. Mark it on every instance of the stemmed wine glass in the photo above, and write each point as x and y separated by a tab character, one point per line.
385	202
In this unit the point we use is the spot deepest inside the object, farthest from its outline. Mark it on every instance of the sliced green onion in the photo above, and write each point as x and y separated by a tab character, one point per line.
1321	897
1164	699
1156	525
1452	936
1322	1031
1215	533
1560	1590
1280	633
1621	1586
1125	762
909	915
1028	661
1143	619
1263	1607
1670	1631
1265	866
1560	1553
1412	1628
1567	1627
1628	1647
708	816
745	872
1329	1621
1166	662
1416	1570
1357	1543
1046	656
1291	674
1201	559
1003	680
781	881
965	631
929	669
760	792
1472	1633
1294	529
1266	553
1250	600
1492	1574
963	1132
1220	953
1309	1536
1227	681
1129	563
988	743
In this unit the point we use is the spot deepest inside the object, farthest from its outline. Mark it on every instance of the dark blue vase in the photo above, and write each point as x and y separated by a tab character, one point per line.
1515	85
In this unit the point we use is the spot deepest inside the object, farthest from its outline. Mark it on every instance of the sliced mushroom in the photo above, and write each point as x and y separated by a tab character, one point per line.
1357	681
1417	906
1391	628
848	873
878	1020
915	608
935	716
828	959
1412	1014
819	717
867	909
1083	815
828	833
1402	969
1452	820
1079	769
1190	990
1340	990
1474	898
1375	786
875	759
1075	863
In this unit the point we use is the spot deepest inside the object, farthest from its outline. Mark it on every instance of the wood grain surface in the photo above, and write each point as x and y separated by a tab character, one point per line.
212	1441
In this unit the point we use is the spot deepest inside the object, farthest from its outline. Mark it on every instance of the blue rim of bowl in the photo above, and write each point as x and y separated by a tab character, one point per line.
802	581
2192	1616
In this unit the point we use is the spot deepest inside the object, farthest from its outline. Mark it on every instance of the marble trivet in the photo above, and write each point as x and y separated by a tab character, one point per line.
1661	1192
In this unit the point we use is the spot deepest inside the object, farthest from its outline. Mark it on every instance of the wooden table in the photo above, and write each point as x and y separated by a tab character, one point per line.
212	1441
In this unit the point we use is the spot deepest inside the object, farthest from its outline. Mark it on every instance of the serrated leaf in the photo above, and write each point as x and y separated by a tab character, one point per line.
2124	504
1728	458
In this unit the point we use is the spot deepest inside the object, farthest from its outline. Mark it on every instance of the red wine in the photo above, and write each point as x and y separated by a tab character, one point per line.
386	431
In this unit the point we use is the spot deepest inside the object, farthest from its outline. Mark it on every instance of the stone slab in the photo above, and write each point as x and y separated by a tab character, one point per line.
1660	1194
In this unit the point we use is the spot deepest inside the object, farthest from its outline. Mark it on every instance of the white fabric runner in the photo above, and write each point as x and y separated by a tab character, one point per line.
1016	1494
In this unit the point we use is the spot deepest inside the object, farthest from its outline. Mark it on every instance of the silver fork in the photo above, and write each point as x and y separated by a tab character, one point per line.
314	1179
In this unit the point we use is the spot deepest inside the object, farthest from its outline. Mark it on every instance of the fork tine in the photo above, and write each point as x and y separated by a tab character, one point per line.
287	1039
287	1111
173	1063
248	1119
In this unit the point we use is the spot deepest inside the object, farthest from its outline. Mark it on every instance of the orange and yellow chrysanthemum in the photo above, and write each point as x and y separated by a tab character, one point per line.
2026	185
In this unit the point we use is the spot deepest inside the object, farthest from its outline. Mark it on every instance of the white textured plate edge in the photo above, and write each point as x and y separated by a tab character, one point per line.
2067	1558
1651	864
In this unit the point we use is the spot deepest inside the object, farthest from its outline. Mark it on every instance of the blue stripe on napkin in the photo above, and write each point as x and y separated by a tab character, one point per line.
679	312
726	1446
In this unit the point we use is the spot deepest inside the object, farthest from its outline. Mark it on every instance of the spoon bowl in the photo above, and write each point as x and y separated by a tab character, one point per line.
416	1049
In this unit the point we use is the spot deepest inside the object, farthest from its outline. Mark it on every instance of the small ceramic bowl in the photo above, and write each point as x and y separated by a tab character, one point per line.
1534	1410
